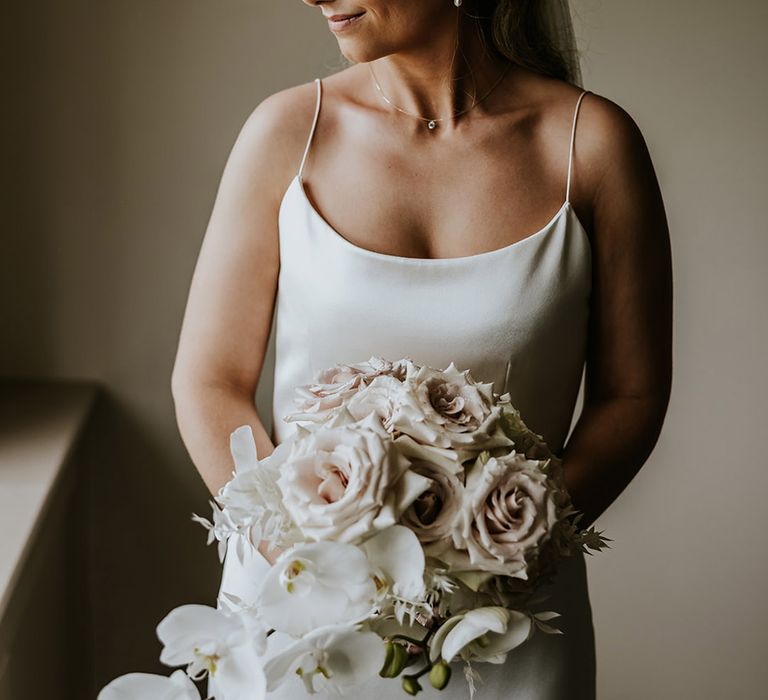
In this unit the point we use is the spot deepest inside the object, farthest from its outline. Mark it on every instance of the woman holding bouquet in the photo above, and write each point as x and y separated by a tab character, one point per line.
436	200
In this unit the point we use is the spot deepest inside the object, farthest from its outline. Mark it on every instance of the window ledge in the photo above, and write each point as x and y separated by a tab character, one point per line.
40	423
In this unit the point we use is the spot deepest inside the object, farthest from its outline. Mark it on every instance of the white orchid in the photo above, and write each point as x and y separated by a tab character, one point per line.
316	584
240	675
148	686
413	495
334	658
398	560
222	644
484	634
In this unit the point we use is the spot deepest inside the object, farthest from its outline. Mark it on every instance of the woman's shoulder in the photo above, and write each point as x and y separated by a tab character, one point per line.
607	138
615	180
611	150
607	131
282	115
290	107
281	122
274	132
604	127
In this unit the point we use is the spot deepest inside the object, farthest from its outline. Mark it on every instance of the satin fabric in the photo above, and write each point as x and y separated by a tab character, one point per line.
516	316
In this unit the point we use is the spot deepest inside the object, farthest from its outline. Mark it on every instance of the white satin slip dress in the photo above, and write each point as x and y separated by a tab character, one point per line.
515	315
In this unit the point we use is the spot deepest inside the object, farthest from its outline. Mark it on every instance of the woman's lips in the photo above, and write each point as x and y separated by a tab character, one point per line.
339	22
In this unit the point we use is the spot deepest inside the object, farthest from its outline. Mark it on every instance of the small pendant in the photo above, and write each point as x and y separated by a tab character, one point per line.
432	124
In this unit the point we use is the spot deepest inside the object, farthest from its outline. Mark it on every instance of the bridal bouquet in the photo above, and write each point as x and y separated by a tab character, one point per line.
418	519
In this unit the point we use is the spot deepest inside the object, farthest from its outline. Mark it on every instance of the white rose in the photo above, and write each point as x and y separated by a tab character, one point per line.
332	386
382	396
345	481
447	408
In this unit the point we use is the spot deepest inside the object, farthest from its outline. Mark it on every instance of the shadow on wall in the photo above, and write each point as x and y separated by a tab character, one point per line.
139	520
122	115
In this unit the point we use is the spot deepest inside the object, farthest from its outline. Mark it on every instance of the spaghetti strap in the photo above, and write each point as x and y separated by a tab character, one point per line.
312	131
570	152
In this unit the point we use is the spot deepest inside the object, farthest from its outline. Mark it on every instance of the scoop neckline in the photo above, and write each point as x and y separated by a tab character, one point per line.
566	206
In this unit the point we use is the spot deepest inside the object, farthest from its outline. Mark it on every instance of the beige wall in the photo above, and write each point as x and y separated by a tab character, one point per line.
680	602
122	116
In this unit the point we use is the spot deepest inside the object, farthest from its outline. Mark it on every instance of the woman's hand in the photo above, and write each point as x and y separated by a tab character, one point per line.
271	554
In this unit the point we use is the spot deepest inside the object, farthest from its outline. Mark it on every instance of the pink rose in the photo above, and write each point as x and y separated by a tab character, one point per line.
509	515
434	514
345	482
333	386
448	408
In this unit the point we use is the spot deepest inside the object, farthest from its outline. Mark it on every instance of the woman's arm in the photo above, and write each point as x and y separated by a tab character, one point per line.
228	317
629	356
206	414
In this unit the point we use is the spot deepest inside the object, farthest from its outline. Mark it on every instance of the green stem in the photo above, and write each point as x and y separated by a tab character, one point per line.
420	673
410	639
430	632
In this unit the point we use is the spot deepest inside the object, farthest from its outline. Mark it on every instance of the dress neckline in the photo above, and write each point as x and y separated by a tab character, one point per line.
540	234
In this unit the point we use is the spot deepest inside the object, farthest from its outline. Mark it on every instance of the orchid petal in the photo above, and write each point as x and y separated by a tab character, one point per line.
316	584
190	626
240	675
148	686
398	553
347	656
243	449
474	624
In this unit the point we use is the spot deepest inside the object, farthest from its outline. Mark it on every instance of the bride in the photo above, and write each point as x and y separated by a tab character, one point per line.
453	195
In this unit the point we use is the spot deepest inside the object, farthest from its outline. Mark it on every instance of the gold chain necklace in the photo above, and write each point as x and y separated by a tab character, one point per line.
432	123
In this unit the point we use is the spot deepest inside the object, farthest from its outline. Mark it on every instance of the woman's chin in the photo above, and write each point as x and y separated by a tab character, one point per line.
355	53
